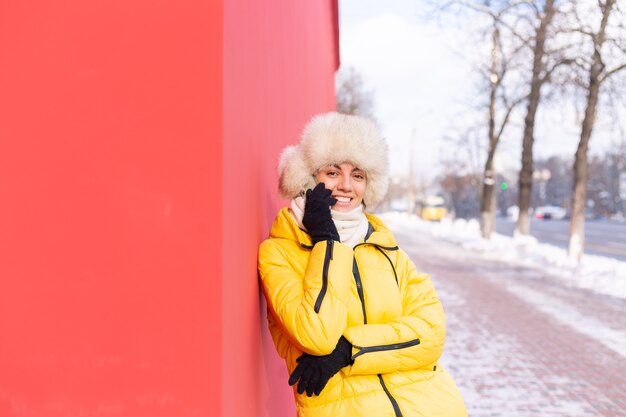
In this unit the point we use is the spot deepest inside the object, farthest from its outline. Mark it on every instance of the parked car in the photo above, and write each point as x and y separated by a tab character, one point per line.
550	213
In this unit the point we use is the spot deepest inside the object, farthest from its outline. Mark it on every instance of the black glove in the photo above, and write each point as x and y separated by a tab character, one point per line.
314	372
317	219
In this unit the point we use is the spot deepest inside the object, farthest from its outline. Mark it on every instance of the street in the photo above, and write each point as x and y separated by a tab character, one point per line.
519	343
601	238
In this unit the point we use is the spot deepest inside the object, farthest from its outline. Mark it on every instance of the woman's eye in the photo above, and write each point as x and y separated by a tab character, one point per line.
332	173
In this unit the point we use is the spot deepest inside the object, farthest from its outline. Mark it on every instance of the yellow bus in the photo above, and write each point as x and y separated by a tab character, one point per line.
433	208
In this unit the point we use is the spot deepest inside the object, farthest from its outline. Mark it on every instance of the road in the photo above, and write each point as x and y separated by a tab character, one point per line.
519	343
601	238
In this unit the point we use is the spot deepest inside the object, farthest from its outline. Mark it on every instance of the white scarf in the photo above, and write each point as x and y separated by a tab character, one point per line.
352	225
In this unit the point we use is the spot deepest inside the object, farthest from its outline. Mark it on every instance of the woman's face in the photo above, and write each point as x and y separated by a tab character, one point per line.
346	182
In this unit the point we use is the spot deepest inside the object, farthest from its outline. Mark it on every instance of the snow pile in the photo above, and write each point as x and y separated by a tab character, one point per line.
597	273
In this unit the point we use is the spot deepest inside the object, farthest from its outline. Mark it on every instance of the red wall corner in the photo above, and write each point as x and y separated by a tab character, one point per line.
280	59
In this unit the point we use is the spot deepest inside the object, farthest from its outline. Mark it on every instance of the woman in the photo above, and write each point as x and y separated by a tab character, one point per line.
360	329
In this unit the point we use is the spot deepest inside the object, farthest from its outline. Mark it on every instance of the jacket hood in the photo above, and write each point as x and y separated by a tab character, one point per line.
334	138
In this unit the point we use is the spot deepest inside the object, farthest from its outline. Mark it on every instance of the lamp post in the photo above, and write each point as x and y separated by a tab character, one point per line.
542	176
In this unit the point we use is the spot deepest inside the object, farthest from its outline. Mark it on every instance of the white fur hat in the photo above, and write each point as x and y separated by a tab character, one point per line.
334	138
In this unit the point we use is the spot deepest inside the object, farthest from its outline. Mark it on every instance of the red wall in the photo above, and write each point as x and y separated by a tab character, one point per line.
110	255
137	177
279	63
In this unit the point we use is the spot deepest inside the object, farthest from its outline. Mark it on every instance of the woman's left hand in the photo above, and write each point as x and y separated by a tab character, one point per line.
314	372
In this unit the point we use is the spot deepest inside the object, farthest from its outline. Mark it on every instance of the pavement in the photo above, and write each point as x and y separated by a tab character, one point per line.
521	344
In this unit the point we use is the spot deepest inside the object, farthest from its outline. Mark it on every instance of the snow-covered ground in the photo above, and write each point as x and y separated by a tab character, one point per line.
597	273
518	345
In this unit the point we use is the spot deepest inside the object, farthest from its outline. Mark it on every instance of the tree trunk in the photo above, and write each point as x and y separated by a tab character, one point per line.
576	242
488	198
579	194
522	226
488	192
488	210
526	173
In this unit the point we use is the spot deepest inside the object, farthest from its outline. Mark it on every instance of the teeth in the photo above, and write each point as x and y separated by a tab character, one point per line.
343	199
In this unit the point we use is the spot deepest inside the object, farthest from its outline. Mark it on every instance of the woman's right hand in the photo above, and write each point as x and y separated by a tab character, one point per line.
317	218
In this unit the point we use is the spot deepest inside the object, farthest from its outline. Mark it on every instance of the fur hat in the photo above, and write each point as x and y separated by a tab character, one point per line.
334	138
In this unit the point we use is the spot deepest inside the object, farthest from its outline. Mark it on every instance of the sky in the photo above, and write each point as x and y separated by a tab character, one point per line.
418	66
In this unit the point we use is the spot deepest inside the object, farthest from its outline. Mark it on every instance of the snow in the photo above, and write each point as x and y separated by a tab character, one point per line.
600	274
497	374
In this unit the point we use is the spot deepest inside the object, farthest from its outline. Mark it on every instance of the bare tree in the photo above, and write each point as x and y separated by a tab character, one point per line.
543	13
597	73
505	48
498	99
352	95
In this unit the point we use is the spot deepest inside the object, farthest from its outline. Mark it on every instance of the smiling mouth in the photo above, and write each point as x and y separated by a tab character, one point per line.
343	199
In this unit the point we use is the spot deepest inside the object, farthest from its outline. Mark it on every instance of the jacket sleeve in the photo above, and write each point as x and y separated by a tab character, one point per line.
307	304
413	340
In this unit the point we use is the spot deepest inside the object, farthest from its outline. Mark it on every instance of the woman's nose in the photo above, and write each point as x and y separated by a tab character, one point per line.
345	184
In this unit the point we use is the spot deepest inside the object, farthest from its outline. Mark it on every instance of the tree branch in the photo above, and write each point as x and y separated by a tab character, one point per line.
612	71
548	73
509	110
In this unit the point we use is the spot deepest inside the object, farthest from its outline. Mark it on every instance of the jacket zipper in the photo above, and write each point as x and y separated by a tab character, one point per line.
327	257
380	348
394	403
359	287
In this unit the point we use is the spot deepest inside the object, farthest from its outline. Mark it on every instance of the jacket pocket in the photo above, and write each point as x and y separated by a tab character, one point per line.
369	349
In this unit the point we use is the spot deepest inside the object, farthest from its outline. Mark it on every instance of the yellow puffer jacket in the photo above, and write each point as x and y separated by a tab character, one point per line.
373	296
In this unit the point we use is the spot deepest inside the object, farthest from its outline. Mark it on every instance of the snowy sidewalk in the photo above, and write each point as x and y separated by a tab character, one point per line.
520	343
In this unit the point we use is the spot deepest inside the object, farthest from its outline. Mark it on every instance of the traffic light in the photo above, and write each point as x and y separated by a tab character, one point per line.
504	185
